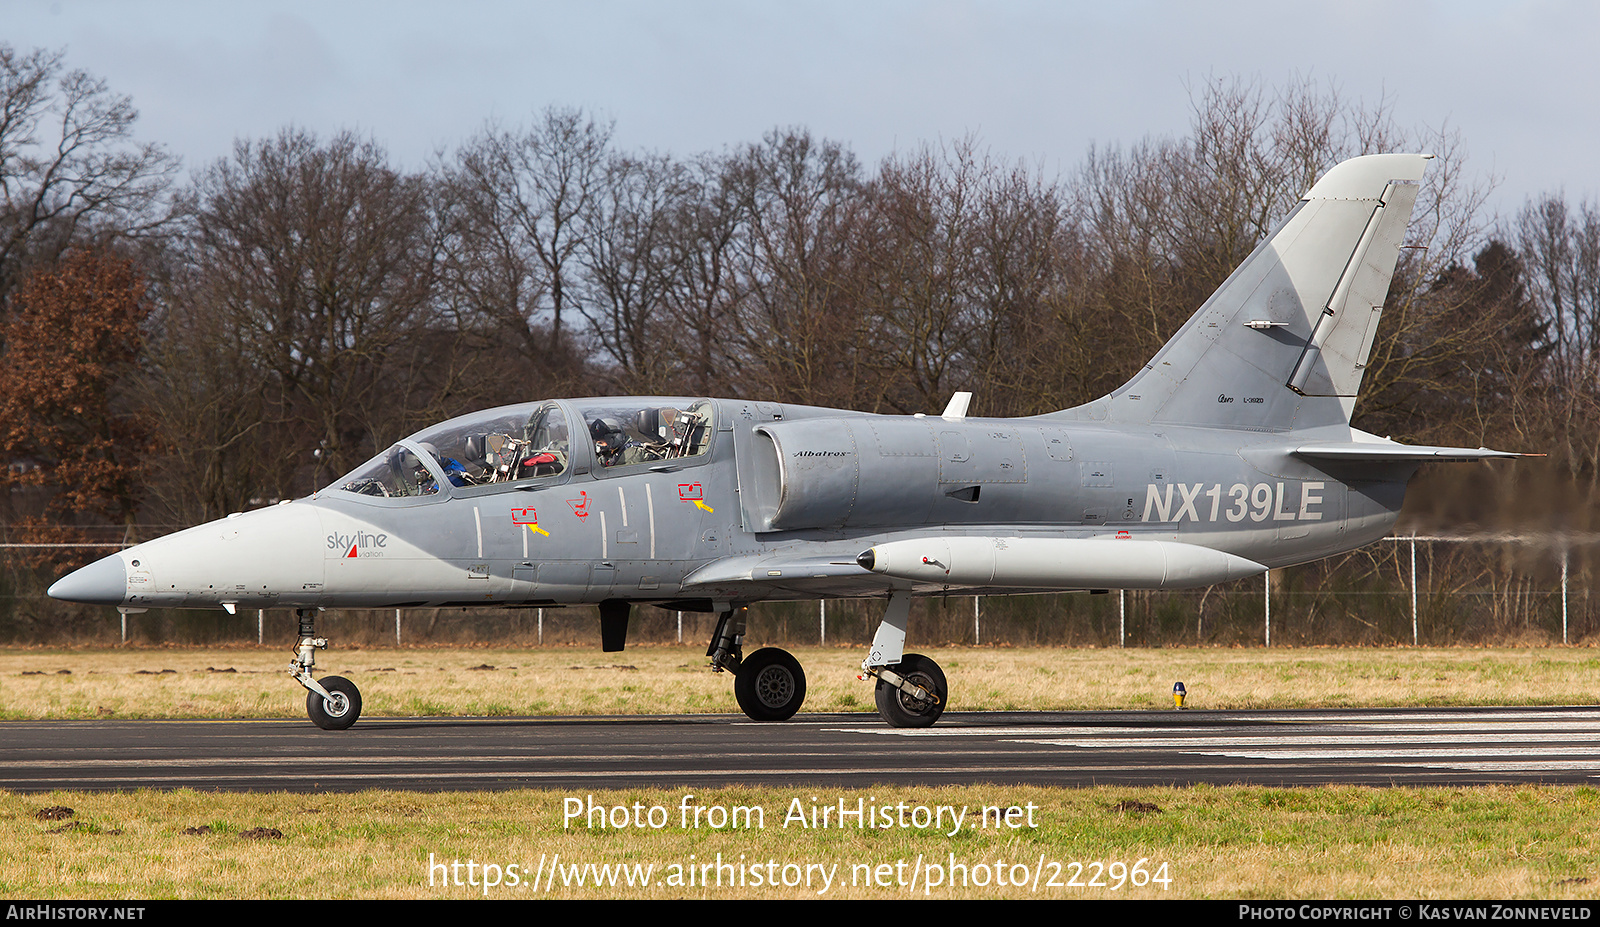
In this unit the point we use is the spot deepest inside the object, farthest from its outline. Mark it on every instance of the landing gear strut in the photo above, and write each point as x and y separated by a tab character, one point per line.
910	689
769	685
334	703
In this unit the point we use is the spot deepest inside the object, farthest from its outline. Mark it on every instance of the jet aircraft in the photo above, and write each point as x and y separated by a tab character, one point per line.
1229	453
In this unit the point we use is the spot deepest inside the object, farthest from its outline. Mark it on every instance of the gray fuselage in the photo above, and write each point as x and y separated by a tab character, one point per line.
778	506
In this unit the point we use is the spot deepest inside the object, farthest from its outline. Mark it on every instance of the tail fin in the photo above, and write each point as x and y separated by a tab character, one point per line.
1284	341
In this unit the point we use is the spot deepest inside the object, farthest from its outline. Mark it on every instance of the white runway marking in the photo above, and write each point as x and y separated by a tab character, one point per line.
1351	740
1513	740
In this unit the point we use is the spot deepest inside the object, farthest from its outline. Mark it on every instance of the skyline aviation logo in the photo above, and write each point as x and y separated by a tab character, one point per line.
357	544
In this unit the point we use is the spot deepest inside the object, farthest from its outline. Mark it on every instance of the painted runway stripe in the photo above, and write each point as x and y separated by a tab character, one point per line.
1352	740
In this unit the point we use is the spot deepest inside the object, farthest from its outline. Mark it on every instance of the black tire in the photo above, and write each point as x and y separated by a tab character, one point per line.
342	711
900	709
770	685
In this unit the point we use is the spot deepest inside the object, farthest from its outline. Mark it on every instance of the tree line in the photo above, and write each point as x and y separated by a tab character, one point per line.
176	346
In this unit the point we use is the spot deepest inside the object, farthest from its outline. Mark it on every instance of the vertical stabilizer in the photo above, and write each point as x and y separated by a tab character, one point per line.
1283	343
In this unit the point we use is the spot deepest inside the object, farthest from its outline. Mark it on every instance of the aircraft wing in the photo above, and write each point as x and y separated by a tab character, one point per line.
826	574
1390	452
770	568
821	575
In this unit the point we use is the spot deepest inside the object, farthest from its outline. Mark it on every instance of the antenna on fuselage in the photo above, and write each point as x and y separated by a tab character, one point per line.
957	409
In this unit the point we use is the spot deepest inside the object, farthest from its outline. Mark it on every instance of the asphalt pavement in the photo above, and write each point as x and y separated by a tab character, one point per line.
1427	746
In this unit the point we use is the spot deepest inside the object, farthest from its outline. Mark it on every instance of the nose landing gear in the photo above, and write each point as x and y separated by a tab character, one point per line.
334	703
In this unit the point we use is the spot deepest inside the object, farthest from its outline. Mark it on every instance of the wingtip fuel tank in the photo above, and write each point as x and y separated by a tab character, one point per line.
1057	563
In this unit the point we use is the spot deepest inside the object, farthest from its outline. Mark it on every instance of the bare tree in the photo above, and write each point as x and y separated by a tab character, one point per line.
522	199
707	288
313	265
69	165
798	327
1433	335
1561	245
629	260
917	248
958	253
1027	254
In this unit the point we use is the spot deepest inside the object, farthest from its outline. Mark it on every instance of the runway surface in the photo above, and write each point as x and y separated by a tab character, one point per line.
1278	748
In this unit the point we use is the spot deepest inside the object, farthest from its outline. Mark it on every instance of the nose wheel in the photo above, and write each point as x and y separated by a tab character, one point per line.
339	708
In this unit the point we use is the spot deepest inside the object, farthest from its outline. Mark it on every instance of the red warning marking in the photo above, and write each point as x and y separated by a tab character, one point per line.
580	505
1124	536
524	517
689	492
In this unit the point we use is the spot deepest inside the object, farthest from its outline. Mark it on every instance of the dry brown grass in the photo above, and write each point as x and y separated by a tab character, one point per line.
253	682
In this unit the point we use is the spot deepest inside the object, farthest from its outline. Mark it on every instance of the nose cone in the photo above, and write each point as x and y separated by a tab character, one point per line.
103	582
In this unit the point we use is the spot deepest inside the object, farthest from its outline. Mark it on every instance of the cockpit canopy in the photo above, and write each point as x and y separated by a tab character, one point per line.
625	432
534	441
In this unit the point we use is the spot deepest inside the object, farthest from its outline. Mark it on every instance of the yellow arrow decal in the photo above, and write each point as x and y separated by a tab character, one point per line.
704	506
535	527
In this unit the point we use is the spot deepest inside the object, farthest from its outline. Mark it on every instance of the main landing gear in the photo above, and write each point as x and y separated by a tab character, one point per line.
910	690
769	684
334	703
916	697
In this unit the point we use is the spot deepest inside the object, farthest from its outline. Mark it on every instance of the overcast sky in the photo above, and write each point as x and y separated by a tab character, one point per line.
1039	81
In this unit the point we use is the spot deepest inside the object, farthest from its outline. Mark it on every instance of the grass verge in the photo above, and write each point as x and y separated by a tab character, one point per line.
1202	842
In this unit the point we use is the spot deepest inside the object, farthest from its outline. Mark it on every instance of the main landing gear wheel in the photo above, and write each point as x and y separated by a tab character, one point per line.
338	712
900	709
770	685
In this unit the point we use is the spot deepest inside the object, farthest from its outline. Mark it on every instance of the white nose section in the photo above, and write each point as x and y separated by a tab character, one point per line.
261	559
103	582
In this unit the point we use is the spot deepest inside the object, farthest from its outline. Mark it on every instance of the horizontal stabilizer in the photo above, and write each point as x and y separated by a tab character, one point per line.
1390	452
